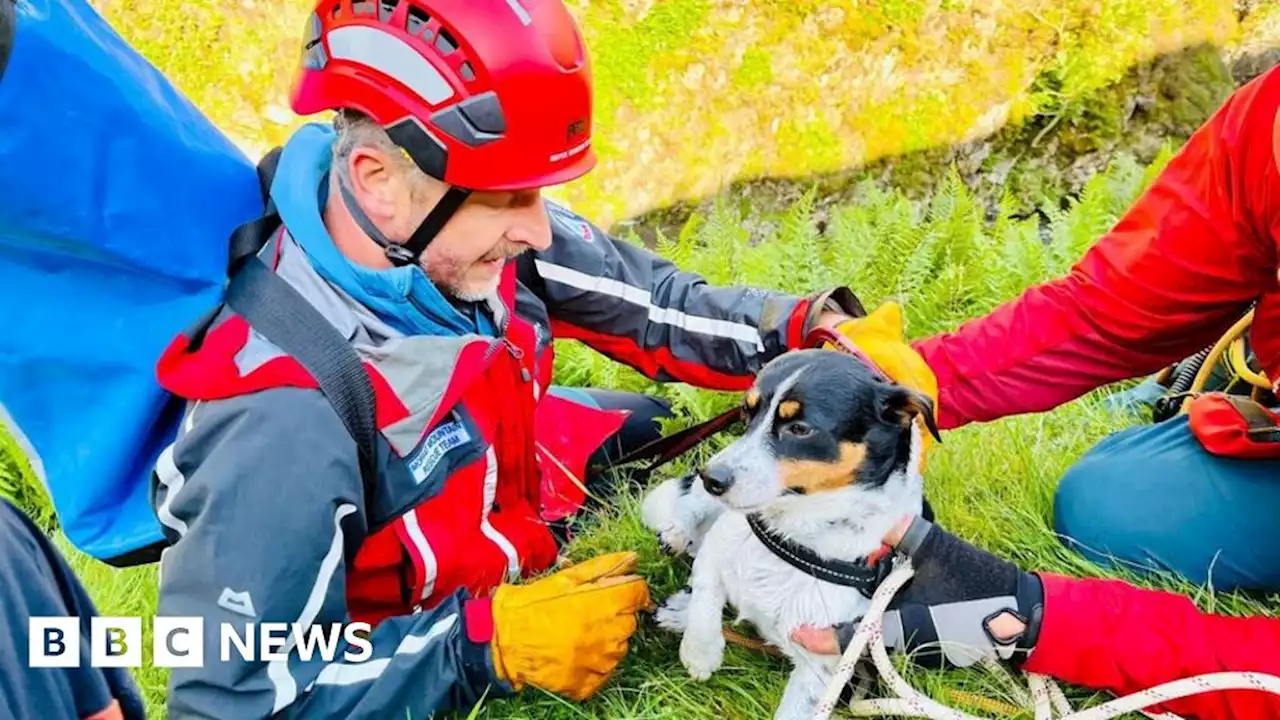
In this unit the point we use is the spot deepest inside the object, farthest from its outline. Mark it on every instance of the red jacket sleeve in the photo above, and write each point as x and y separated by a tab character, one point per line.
1170	277
1108	635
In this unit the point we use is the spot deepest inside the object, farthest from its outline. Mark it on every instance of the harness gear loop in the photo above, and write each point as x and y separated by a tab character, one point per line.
1188	378
1230	337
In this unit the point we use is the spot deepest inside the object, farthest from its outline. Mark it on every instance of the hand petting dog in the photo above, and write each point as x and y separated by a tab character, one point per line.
880	337
963	603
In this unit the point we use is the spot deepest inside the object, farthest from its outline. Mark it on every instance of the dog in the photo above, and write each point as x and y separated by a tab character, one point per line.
828	463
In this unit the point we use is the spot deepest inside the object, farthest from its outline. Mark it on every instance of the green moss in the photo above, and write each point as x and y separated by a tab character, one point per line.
623	52
235	65
1196	88
844	85
756	69
808	144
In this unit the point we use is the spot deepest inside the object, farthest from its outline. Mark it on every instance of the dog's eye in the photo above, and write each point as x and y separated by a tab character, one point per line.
797	429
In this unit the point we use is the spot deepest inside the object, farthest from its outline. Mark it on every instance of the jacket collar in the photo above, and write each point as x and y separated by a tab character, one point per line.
403	297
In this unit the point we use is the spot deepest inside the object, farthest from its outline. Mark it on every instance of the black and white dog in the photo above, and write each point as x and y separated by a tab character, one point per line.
785	524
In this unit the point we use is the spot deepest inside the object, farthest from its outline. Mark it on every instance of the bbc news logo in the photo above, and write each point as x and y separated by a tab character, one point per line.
178	642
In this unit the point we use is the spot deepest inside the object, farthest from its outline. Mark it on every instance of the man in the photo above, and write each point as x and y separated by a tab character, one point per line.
1179	268
417	230
38	583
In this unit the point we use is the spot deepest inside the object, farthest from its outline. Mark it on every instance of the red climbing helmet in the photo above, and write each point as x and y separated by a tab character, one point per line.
481	94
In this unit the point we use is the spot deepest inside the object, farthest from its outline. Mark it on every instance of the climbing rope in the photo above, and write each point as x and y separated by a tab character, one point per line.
1230	346
1044	695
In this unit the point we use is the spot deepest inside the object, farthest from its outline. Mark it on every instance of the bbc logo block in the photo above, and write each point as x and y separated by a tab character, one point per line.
179	642
57	642
115	642
54	642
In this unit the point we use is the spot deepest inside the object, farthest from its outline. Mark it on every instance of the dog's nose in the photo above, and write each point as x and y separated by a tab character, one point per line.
716	479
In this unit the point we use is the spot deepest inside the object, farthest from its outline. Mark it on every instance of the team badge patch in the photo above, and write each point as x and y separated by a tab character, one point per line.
449	436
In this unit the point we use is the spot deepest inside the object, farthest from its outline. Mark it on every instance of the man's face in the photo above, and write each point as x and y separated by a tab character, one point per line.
466	258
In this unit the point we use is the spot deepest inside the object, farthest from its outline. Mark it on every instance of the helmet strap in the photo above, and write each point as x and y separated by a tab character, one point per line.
408	253
431	226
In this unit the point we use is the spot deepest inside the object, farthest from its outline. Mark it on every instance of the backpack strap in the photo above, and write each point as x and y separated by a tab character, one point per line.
281	315
277	312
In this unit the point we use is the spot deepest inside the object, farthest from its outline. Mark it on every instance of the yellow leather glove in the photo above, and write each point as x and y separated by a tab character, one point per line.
568	631
880	335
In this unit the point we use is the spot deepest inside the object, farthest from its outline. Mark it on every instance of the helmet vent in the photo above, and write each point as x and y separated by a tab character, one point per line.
469	74
364	7
385	8
418	20
445	42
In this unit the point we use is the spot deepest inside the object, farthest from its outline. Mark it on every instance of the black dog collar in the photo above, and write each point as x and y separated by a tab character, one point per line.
865	575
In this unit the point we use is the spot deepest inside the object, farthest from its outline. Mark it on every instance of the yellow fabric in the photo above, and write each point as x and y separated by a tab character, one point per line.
880	335
567	632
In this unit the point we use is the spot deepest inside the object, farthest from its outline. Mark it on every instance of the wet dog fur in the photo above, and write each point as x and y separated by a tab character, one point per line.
830	459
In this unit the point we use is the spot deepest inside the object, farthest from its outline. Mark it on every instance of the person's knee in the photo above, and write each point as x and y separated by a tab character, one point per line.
643	424
643	413
1086	514
1151	499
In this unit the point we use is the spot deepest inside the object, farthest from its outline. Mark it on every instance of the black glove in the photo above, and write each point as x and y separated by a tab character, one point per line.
942	616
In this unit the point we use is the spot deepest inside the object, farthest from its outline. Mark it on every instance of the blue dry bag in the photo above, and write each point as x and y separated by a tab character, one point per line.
117	199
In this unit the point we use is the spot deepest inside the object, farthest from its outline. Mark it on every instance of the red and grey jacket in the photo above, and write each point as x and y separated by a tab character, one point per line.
1183	264
260	494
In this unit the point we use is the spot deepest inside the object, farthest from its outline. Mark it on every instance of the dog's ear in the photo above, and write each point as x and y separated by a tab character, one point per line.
900	405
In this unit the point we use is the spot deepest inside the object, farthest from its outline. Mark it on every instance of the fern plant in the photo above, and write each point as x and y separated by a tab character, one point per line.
942	259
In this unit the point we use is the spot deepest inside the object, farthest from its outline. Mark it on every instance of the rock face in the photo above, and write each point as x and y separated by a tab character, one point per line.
697	95
693	96
1152	107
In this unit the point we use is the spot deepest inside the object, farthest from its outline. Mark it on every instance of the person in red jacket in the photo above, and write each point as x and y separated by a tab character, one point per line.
1191	257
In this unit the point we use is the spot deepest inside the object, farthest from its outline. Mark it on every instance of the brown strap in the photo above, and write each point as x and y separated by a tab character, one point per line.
750	643
667	448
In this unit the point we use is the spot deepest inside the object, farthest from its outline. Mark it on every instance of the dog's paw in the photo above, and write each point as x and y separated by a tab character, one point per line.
660	512
701	654
673	613
675	542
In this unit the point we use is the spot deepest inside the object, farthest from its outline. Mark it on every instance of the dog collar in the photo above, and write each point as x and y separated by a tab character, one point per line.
820	336
865	575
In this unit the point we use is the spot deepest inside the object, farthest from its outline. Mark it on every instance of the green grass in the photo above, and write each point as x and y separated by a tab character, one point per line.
992	484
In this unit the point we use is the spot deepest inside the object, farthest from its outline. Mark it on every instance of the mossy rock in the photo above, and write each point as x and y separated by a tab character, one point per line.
1050	155
693	95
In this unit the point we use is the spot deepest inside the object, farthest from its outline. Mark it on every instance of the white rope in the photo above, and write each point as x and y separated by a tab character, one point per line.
1044	696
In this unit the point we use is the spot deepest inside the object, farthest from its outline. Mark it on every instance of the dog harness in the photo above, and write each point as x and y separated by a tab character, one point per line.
866	574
